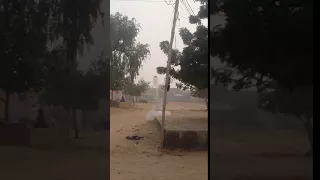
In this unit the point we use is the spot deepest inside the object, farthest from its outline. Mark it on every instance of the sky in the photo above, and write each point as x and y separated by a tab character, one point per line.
155	19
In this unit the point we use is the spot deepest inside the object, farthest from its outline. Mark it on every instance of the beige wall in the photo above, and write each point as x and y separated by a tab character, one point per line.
116	95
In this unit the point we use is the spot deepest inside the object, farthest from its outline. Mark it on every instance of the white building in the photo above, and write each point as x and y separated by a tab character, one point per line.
115	95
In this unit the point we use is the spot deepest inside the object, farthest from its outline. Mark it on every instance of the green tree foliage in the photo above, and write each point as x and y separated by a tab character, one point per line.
127	54
135	59
117	73
123	33
136	89
193	61
268	45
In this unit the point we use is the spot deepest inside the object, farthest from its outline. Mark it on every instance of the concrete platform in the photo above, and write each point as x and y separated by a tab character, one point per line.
186	131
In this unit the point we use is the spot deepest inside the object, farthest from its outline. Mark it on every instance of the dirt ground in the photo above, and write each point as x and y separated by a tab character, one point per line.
238	153
89	158
131	160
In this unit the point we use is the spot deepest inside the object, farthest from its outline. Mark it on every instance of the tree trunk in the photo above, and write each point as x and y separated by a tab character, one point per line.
75	124
6	106
133	100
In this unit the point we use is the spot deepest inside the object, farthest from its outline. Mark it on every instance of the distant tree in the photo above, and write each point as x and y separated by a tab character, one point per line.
135	59
193	61
268	45
123	33
135	90
127	55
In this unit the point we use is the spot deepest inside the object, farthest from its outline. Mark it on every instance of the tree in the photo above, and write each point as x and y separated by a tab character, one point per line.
278	36
40	22
194	60
127	55
123	33
98	77
72	21
117	73
61	89
134	90
81	91
200	93
267	45
135	59
21	63
90	87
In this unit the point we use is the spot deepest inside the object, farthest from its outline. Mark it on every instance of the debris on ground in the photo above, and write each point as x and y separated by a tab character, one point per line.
134	137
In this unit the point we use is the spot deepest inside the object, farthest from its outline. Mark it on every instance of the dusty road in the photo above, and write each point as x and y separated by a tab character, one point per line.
89	158
143	160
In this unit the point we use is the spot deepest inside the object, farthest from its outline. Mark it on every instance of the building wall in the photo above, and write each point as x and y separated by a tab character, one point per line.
116	95
20	106
174	95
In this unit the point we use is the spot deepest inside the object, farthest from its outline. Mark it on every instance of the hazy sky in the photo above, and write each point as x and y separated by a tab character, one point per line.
155	19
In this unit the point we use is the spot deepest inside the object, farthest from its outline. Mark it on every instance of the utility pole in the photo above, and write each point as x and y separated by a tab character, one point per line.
167	70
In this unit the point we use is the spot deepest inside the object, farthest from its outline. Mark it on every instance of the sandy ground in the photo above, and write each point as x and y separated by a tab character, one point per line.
131	160
265	151
89	158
